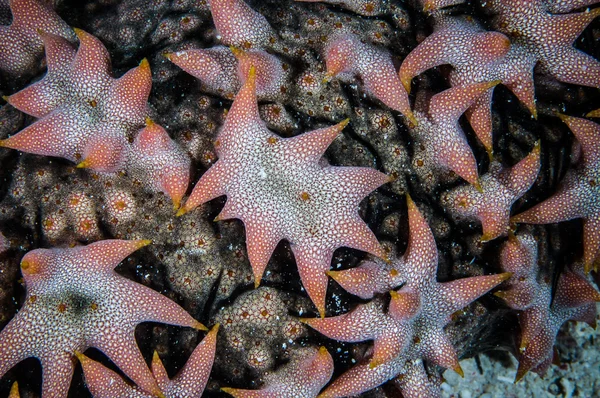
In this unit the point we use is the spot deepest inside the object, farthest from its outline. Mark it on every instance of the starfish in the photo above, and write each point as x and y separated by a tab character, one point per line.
550	37
594	113
368	8
412	327
224	70
303	377
239	25
541	316
440	133
579	192
85	114
432	5
20	44
476	56
348	58
76	300
189	382
500	188
278	188
160	161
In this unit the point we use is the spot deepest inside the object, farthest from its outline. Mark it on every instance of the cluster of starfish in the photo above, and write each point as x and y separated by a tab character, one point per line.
283	189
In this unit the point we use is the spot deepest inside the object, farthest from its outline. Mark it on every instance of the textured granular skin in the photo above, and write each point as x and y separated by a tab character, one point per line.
203	265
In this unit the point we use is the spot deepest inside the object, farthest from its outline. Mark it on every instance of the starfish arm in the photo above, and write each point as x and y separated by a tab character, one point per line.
562	206
594	113
359	379
421	255
40	98
587	133
479	116
564	6
57	375
516	73
573	66
519	178
438	349
447	107
431	5
103	382
459	293
147	305
190	382
120	346
365	322
261	240
456	154
105	151
91	66
269	70
239	25
311	146
215	67
359	236
106	254
591	241
355	182
14	391
241	393
129	94
211	185
389	345
405	304
47	136
160	373
14	344
574	291
537	349
367	279
494	222
414	382
566	28
382	82
313	262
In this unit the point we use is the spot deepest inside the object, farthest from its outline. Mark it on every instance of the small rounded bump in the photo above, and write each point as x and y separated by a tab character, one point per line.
84	164
458	369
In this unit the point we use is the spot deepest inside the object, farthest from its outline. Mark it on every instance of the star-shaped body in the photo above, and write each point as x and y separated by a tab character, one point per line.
550	37
85	114
189	382
239	25
476	56
348	58
500	188
224	70
368	8
157	159
440	134
76	300
303	377
579	193
20	44
278	188
412	327
541	315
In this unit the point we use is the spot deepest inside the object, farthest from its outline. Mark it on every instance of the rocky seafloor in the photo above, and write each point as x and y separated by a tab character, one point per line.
203	265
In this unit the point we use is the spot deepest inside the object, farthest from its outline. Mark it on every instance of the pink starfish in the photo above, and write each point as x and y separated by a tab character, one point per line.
303	377
368	8
76	300
500	188
412	328
159	160
280	190
542	316
20	44
476	56
348	58
239	25
189	382
550	37
440	133
578	194
86	115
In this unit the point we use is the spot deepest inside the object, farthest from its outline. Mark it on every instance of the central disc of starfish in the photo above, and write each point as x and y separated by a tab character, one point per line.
280	190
